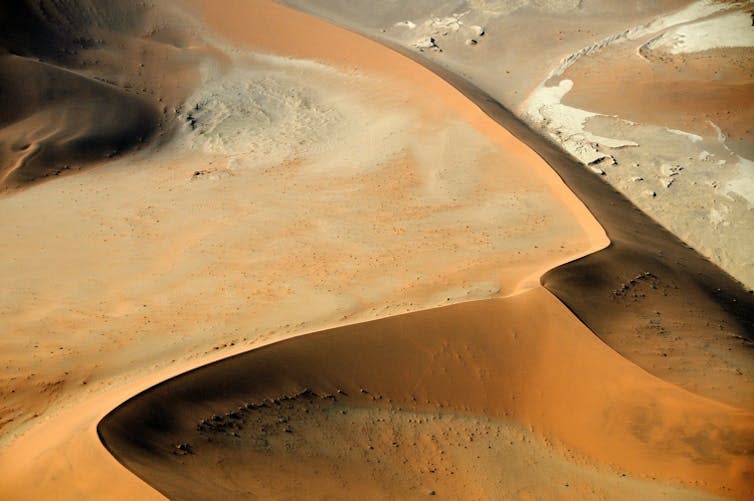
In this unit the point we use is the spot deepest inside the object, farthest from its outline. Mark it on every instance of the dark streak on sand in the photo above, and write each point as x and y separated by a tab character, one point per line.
205	416
652	270
70	93
638	243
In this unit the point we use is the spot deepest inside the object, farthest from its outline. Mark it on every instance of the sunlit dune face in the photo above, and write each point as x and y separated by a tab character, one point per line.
248	253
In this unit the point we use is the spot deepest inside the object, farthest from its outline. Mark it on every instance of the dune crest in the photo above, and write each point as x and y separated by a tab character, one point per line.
194	254
316	185
522	359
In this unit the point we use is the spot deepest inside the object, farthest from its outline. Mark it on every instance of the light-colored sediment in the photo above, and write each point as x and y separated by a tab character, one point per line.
621	63
681	73
223	241
674	109
730	30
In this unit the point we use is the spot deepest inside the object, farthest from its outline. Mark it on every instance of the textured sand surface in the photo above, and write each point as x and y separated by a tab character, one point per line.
551	392
188	252
607	81
671	176
263	432
256	221
300	177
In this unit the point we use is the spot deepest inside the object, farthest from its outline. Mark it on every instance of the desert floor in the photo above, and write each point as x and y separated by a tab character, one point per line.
396	294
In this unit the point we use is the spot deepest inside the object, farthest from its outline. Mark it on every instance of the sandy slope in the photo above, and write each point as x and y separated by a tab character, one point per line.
203	247
676	75
258	222
100	79
187	438
417	219
683	319
521	367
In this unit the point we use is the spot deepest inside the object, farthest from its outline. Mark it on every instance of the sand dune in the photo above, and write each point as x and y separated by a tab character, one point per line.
601	79
303	177
201	249
100	79
523	359
266	436
404	209
648	289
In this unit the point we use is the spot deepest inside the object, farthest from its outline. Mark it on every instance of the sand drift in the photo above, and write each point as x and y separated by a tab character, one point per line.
408	278
418	390
505	373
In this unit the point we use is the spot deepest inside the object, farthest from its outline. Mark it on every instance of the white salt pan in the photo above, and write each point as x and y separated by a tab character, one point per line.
729	30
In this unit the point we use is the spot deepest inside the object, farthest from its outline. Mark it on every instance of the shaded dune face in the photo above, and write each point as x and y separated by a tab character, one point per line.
654	299
58	30
346	408
77	85
250	423
65	121
648	295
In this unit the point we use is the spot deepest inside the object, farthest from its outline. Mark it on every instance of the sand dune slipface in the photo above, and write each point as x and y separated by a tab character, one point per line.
85	122
335	187
648	291
424	395
79	84
650	297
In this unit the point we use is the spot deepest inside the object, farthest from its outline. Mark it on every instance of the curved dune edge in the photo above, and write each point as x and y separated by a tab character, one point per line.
66	475
648	296
87	101
62	457
646	281
501	358
632	446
